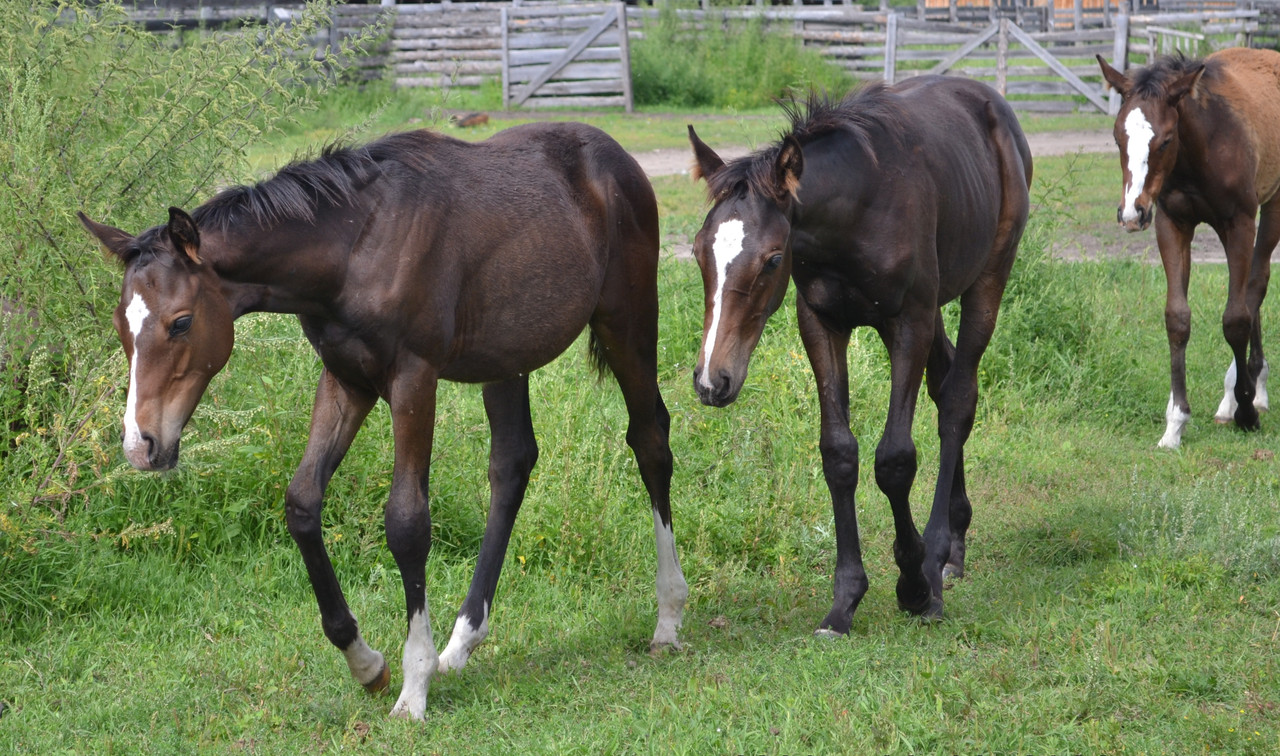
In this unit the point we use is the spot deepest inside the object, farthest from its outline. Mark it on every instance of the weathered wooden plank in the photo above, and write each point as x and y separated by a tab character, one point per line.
442	32
487	67
412	55
525	74
584	87
534	103
450	43
441	81
609	37
534	57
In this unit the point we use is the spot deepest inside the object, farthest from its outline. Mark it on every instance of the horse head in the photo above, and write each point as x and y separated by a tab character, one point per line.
744	251
1146	131
175	326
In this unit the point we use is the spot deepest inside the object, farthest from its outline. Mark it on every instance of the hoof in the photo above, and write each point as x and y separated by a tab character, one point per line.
827	633
933	613
1247	418
379	683
661	648
952	572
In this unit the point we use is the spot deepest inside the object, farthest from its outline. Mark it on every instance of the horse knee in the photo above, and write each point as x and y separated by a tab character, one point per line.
302	504
515	466
840	461
895	467
1237	324
408	525
1177	322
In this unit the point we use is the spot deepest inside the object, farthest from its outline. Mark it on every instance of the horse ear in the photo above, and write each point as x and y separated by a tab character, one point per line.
113	240
1185	84
787	167
1117	80
184	234
706	163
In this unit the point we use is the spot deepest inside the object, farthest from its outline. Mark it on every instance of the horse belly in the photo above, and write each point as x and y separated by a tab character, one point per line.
517	324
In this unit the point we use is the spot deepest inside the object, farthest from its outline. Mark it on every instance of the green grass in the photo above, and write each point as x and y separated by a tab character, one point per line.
1120	599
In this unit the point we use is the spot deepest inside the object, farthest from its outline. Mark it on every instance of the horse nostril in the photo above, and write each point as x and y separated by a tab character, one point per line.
722	384
151	446
1120	214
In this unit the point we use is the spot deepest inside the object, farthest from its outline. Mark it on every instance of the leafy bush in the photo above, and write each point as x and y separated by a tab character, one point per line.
100	116
731	63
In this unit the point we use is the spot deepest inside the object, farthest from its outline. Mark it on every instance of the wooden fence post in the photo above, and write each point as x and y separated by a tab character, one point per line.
506	61
1002	58
625	43
1119	56
891	48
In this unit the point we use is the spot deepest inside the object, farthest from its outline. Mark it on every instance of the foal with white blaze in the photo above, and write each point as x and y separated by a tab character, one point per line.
1200	140
411	260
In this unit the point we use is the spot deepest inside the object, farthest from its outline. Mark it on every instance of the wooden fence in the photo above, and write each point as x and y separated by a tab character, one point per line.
1037	60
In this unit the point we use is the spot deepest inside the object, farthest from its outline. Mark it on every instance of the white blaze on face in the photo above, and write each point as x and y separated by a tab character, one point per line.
1140	135
724	250
136	314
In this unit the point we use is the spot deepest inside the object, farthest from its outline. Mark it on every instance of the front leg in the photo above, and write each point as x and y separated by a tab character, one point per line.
513	451
908	338
827	354
1174	241
339	412
408	522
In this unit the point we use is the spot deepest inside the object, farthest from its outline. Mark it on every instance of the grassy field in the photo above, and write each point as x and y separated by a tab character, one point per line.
1120	599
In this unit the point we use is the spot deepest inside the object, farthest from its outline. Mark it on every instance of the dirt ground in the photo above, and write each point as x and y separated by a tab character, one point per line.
1108	242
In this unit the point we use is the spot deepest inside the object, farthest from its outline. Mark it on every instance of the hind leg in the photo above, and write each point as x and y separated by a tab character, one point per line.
513	452
957	396
627	341
939	366
1238	238
407	518
1259	277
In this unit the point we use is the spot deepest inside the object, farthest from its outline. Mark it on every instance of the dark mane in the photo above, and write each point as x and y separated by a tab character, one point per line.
1150	81
331	180
855	113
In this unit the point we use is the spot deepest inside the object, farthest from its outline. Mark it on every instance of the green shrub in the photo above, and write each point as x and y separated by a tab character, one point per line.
99	116
731	63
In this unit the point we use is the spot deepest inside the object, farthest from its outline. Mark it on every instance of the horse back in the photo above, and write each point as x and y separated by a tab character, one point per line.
1249	85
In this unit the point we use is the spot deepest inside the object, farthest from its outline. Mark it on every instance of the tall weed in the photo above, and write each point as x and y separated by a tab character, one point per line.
102	117
729	63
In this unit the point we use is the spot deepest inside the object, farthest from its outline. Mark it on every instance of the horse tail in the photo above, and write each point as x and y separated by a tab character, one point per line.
596	355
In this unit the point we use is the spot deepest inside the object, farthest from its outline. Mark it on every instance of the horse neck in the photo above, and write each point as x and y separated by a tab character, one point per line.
274	270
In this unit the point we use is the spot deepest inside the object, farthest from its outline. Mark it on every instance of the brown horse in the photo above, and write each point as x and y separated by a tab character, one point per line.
414	259
882	208
1200	139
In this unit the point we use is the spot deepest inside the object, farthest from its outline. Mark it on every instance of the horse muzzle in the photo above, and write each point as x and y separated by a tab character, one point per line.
1139	220
719	390
145	452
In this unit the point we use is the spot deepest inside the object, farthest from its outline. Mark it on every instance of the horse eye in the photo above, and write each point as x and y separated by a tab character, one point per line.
772	263
1165	143
180	326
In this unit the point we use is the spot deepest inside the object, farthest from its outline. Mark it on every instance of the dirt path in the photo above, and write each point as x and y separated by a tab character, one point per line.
673	162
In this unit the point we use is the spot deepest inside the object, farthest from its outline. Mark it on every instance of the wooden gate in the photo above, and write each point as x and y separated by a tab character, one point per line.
566	56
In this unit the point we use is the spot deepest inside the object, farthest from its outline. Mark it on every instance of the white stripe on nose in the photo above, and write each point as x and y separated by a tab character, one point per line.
725	249
1140	135
136	314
